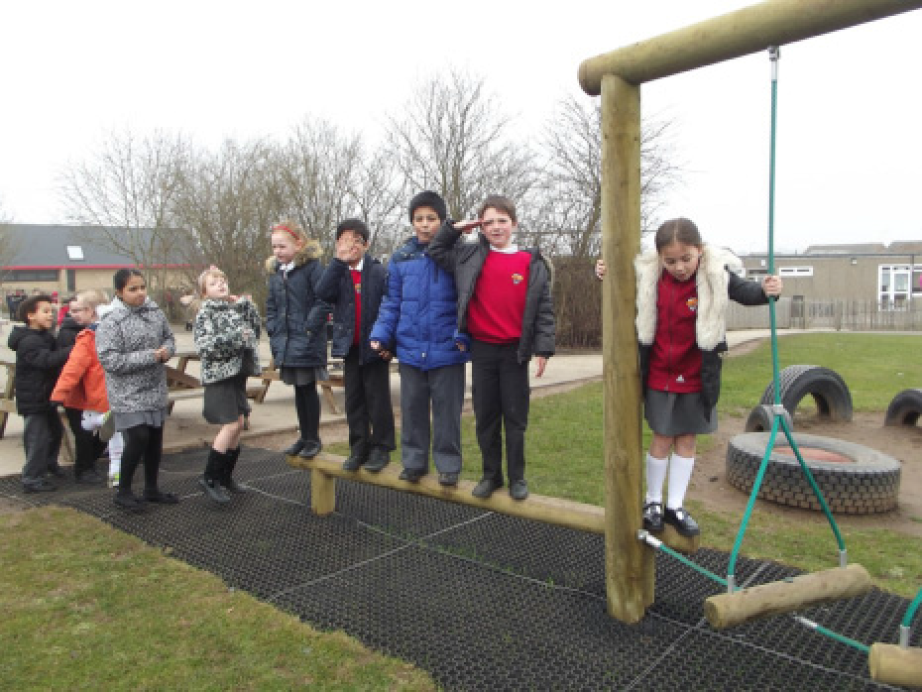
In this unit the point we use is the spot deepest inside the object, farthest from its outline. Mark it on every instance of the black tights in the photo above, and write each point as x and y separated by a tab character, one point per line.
141	441
307	404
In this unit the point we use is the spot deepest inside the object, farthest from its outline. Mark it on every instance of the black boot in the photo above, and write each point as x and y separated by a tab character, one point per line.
210	481
227	481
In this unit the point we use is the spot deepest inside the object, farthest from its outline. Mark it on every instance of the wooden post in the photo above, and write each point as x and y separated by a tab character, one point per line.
323	493
628	564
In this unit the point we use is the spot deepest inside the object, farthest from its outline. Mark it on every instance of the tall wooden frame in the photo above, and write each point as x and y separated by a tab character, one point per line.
617	77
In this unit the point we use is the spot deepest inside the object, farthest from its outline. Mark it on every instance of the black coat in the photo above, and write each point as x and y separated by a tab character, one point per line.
296	318
67	332
336	287
39	360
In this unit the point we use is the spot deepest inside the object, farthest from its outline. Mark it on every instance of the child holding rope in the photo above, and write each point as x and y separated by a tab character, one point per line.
683	288
227	339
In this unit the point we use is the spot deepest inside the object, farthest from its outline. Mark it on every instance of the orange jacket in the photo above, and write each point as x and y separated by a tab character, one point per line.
82	384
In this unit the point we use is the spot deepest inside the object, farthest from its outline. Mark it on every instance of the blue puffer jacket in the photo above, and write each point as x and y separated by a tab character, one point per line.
296	318
336	287
419	316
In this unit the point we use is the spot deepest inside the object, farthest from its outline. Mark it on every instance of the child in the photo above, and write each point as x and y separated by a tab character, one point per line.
504	303
38	362
417	320
133	342
682	291
296	323
355	283
81	387
227	339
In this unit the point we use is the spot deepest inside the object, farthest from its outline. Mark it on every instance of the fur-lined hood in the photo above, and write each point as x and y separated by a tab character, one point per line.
310	251
712	283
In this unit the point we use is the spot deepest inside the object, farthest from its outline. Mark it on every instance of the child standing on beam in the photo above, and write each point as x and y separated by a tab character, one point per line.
683	288
504	303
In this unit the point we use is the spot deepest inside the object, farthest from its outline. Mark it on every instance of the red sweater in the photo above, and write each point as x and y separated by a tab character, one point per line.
675	360
497	308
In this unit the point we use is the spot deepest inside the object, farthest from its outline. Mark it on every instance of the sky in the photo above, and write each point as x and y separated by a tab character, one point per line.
849	103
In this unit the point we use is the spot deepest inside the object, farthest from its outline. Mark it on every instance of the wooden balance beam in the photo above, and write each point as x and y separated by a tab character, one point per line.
728	610
896	665
326	468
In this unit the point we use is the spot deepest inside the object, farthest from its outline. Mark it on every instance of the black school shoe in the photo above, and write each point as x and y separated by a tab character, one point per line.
485	488
310	449
354	462
161	498
682	521
448	479
129	502
378	458
412	475
41	486
293	449
653	517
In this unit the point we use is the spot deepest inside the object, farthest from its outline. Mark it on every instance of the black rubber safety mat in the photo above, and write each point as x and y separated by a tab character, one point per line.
480	600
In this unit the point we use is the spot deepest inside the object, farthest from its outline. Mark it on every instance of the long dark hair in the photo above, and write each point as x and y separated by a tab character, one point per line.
121	278
680	230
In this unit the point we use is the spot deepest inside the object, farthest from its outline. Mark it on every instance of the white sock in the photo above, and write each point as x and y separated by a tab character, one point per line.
116	446
91	420
680	473
656	474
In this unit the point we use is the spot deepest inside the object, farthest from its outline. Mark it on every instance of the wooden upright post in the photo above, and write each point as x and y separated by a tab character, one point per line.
628	565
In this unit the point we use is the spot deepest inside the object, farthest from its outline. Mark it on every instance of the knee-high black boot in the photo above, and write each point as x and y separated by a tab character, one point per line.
227	481
210	481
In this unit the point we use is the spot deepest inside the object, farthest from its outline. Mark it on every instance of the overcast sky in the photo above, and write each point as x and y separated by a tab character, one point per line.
850	104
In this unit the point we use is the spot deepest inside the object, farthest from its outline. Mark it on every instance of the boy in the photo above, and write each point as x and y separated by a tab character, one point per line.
418	319
504	303
355	283
38	364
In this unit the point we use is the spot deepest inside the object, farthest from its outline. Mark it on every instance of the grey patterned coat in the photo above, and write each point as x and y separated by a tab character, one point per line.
126	339
224	333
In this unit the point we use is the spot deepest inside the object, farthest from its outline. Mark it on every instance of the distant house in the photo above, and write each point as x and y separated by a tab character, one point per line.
888	275
60	258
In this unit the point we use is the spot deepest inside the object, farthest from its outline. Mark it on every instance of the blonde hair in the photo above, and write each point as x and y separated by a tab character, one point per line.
292	228
196	303
93	299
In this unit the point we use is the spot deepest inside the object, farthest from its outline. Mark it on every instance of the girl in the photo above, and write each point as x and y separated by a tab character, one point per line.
296	323
227	338
133	342
81	387
682	291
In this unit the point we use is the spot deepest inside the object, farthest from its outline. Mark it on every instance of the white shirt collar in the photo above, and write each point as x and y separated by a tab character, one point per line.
358	267
509	250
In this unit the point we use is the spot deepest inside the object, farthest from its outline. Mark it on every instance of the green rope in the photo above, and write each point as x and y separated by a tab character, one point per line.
774	54
684	560
911	610
833	635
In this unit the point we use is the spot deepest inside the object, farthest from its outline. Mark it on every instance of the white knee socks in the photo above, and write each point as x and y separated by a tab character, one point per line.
656	475
680	472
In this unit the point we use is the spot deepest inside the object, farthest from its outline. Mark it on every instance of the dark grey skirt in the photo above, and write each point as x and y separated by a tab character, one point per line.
226	400
671	414
299	377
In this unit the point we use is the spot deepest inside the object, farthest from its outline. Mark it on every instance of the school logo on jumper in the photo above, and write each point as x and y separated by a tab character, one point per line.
517	279
358	287
692	304
680	378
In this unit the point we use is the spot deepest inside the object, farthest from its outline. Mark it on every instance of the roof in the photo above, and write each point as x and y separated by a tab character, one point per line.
49	246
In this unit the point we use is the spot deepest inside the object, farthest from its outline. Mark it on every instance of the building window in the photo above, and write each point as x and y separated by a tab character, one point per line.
796	272
897	283
74	252
31	275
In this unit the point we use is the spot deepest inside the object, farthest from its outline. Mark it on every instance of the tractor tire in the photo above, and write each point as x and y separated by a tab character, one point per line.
905	408
762	418
829	391
867	483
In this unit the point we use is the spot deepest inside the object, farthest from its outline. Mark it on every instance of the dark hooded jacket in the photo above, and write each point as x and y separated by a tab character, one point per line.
296	317
39	360
67	332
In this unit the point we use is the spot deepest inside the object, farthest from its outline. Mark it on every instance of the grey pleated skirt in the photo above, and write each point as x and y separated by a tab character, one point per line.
671	414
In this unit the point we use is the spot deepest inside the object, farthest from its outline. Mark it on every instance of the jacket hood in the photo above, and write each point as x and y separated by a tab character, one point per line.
16	336
310	251
119	310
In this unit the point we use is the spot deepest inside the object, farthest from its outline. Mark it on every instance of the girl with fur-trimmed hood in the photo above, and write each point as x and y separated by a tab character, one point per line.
296	324
683	289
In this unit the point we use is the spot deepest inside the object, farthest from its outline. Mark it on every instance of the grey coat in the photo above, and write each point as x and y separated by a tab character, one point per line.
126	339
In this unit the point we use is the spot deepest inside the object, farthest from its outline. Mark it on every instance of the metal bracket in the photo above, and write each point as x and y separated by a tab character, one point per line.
843	558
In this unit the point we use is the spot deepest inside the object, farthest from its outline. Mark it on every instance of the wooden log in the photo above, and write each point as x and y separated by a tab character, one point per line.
728	610
744	31
323	492
894	665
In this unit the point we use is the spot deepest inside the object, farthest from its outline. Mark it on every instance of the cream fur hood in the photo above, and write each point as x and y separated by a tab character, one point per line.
712	283
310	251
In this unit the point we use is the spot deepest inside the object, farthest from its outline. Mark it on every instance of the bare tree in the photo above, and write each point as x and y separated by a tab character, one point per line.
228	204
9	246
450	137
127	190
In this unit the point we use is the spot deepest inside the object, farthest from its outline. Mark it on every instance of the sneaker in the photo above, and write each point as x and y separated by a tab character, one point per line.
518	490
485	488
107	429
412	475
653	517
682	521
448	479
41	486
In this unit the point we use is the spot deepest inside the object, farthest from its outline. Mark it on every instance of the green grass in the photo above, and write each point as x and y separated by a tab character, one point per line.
565	457
88	607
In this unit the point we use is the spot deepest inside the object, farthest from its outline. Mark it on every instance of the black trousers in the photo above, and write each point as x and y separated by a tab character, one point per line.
501	395
88	446
368	403
141	442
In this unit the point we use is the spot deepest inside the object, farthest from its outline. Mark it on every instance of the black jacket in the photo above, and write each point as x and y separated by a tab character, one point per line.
38	363
296	319
336	287
466	260
67	332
